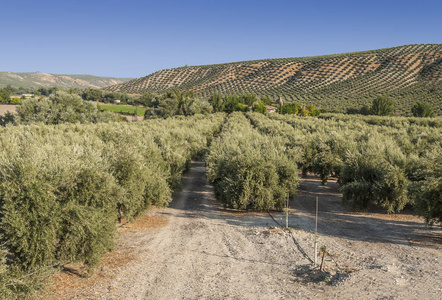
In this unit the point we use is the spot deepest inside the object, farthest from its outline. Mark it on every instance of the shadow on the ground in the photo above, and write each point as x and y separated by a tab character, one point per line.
335	219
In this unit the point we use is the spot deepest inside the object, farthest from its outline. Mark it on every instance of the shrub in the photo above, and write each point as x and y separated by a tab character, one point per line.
61	107
8	118
62	188
15	101
250	170
382	106
260	107
426	190
373	175
422	110
5	96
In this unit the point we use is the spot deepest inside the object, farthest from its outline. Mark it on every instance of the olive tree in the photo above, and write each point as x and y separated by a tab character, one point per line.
422	110
382	106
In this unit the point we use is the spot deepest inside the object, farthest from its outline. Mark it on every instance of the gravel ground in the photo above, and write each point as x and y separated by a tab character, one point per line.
198	250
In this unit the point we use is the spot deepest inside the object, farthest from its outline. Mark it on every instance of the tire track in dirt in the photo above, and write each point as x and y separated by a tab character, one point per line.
207	252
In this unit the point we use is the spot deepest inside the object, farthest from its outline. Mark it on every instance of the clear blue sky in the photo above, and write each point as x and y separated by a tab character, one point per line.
135	38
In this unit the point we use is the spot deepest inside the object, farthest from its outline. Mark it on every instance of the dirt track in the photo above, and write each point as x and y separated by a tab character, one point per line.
197	250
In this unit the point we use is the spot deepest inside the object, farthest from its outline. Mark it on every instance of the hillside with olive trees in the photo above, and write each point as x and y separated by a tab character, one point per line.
339	82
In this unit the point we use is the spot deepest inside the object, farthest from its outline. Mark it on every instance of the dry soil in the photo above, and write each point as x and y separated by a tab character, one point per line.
195	249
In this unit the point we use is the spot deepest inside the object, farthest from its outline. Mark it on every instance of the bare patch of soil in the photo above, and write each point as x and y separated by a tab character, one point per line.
145	222
6	107
73	279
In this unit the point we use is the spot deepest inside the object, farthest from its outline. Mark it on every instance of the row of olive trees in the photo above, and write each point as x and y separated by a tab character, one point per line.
384	106
62	188
61	107
179	103
390	165
249	169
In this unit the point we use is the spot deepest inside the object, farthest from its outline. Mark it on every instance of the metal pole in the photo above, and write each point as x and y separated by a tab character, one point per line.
316	234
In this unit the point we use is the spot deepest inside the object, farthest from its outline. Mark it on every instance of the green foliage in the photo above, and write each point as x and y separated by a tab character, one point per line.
428	199
123	109
180	103
291	108
364	110
266	100
422	110
61	107
337	82
248	99
199	106
16	284
322	162
260	107
381	161
92	94
382	106
147	99
62	188
190	106
168	107
375	174
216	102
8	118
250	170
5	97
426	190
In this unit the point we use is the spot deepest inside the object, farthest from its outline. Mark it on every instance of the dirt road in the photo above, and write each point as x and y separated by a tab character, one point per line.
197	250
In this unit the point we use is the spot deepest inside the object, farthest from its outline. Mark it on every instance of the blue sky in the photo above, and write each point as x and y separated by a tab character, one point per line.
135	38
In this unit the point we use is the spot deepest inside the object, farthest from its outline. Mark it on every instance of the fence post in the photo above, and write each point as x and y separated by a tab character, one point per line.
316	234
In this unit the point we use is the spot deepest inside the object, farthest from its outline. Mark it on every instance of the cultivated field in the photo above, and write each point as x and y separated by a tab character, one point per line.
196	249
407	74
123	109
64	188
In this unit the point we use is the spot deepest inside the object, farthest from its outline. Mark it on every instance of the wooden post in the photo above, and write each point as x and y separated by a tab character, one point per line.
324	251
316	234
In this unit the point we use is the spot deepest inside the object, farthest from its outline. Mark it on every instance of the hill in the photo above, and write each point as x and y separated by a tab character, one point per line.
37	80
336	82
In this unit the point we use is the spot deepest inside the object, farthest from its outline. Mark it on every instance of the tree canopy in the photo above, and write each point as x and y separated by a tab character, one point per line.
61	107
422	110
382	106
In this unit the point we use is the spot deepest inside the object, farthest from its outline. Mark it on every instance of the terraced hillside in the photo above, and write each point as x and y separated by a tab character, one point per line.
406	73
38	79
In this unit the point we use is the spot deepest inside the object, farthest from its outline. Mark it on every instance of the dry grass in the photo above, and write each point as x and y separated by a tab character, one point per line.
71	280
391	217
145	222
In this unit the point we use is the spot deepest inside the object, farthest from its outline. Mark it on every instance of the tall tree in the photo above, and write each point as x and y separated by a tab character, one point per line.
423	110
5	97
217	102
382	106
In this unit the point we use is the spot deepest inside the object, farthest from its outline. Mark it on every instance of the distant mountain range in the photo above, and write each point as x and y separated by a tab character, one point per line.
37	79
406	73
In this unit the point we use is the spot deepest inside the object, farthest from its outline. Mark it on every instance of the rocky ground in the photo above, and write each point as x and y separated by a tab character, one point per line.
197	250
